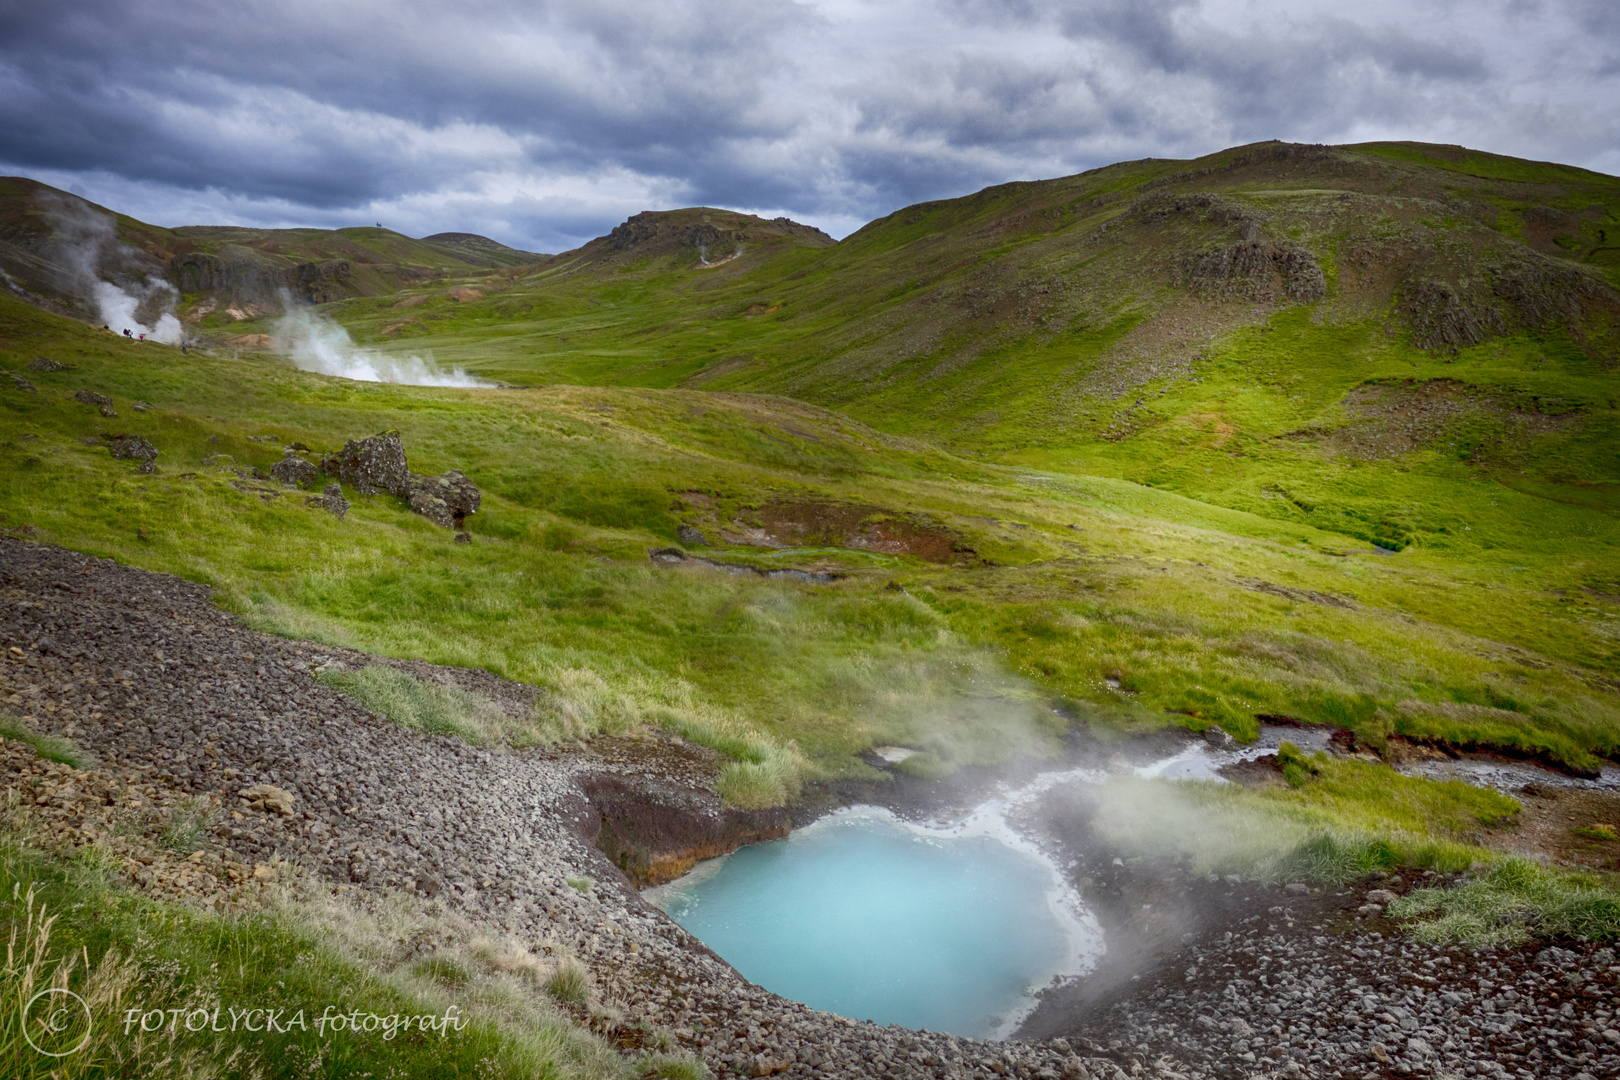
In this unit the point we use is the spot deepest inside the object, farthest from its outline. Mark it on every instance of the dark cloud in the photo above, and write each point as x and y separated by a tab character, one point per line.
547	121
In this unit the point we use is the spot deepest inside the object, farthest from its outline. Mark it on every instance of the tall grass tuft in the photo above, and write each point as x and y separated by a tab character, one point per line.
1513	902
61	751
570	983
429	707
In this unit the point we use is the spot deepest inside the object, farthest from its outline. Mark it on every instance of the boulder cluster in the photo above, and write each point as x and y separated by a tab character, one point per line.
376	466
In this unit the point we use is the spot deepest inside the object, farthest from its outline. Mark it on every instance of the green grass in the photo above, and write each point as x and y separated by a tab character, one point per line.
1089	578
1512	903
61	751
429	707
68	927
1342	820
1170	508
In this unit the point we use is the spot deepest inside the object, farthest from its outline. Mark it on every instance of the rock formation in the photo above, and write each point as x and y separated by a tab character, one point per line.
378	464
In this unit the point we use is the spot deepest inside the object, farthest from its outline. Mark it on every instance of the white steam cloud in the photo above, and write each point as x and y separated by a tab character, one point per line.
87	247
316	343
118	310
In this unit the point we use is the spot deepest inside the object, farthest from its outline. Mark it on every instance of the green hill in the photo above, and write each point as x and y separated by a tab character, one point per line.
224	273
1318	432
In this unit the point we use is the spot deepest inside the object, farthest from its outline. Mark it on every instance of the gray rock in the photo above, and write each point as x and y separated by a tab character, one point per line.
331	500
23	384
294	471
372	465
1217	737
134	448
446	500
45	363
1381	897
90	397
690	536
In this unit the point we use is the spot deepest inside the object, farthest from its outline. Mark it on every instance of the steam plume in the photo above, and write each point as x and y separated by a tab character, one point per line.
88	249
316	343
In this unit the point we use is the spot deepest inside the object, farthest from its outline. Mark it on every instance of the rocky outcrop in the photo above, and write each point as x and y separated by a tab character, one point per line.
445	500
376	465
236	272
322	282
1258	270
655	830
371	466
134	448
45	363
1445	319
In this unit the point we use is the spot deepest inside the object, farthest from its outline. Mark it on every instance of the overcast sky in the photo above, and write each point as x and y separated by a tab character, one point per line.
545	123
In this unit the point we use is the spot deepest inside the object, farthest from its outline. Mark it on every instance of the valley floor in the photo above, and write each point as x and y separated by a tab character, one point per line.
178	705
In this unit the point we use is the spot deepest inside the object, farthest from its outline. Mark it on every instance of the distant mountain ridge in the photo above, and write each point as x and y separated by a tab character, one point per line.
220	267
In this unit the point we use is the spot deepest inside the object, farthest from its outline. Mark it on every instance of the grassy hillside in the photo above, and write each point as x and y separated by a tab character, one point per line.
980	606
224	273
1316	432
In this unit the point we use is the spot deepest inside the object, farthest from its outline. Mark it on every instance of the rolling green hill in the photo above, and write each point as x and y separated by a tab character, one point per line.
224	273
1319	432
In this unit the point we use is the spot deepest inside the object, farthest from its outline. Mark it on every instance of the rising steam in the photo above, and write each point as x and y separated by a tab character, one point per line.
124	285
315	343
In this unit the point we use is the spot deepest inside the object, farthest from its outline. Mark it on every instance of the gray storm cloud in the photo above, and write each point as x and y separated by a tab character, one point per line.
543	124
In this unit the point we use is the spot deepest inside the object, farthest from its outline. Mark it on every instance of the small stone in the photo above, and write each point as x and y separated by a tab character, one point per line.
1379	1053
463	537
1295	888
269	797
90	397
1217	737
1381	897
263	872
45	363
690	536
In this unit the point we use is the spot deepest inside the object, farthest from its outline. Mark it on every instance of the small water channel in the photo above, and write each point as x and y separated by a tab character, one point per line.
949	926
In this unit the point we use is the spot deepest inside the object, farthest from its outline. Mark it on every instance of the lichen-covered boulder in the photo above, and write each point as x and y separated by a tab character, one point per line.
90	397
294	471
134	448
372	465
445	500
